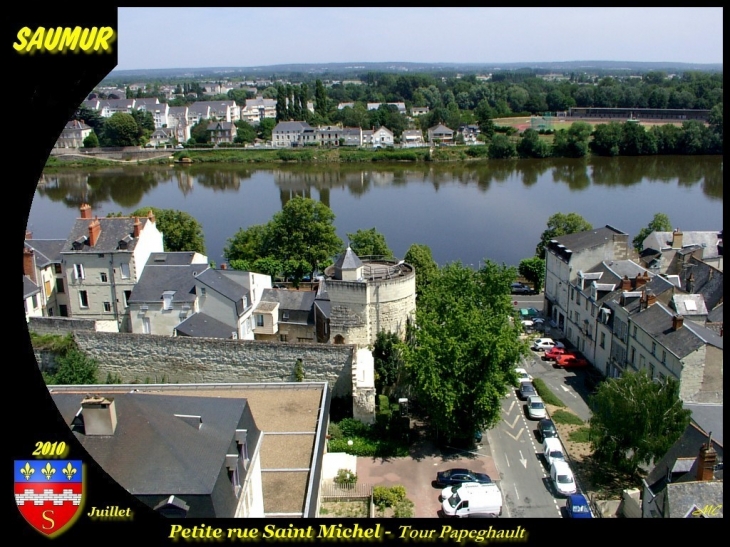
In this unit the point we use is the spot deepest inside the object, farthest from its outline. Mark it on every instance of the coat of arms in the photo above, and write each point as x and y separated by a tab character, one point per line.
49	493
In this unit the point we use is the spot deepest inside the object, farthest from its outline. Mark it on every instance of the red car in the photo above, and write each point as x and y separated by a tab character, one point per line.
553	353
571	360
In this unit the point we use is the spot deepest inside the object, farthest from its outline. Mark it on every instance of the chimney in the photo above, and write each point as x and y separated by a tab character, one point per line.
99	414
626	283
94	231
151	216
640	280
706	461
677	322
28	263
650	298
28	234
224	266
85	211
677	239
137	227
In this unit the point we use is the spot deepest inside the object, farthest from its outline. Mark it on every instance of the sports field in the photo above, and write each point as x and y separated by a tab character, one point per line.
525	122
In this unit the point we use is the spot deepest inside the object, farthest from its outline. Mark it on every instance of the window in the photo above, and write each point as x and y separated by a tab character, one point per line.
125	270
57	269
146	326
653	348
167	300
586	304
63	310
635	331
572	294
603	340
664	356
103	277
642	362
34	301
633	355
83	299
285	315
78	271
282	338
60	288
651	369
107	306
100	255
127	295
577	299
259	320
202	291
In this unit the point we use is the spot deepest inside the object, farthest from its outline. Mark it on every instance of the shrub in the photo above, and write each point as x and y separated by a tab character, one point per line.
384	496
345	477
351	427
299	371
565	417
547	396
335	432
580	435
383	404
404	509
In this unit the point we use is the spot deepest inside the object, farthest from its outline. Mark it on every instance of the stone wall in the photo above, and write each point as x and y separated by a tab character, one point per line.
60	325
164	359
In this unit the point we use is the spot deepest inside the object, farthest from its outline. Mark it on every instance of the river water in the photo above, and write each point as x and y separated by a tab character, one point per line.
467	212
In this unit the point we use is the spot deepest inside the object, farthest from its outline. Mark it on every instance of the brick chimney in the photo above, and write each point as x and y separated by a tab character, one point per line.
640	280
85	211
626	283
94	231
677	239
29	235
137	227
650	298
29	263
677	322
224	266
706	461
151	216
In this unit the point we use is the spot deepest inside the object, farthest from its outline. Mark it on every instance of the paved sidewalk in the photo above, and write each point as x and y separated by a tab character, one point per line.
417	472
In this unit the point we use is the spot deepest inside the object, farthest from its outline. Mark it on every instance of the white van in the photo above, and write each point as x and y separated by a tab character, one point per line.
552	450
474	502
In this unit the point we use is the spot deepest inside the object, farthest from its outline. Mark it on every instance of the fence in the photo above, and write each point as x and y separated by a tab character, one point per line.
332	492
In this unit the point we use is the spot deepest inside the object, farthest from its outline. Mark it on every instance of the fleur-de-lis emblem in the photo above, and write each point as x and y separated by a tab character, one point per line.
69	471
27	471
48	471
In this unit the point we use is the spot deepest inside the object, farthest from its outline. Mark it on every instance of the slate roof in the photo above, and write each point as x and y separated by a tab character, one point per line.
348	260
292	126
708	416
581	241
663	240
689	304
154	452
113	230
201	325
226	126
440	129
298	304
47	251
157	278
699	277
715	316
29	288
684	498
225	286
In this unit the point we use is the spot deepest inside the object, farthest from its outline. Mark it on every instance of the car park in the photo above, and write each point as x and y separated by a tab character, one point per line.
547	429
577	507
523	375
544	344
451	477
562	478
536	408
552	450
526	390
571	360
521	288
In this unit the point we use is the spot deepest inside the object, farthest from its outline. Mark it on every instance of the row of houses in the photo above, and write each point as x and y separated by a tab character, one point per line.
114	271
661	314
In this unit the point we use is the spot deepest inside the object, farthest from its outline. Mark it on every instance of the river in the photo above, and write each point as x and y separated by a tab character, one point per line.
469	212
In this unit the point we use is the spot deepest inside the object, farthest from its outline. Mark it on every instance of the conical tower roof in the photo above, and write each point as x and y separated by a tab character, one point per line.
348	260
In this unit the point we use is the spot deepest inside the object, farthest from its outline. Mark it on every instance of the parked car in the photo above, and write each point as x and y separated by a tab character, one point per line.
527	390
547	429
523	375
543	344
562	478
569	360
553	353
521	288
552	450
528	313
538	323
528	325
536	408
577	507
455	476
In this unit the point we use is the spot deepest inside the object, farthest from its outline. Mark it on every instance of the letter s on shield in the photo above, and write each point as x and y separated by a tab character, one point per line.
49	493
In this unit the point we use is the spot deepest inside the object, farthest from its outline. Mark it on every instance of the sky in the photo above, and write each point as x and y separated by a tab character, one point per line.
240	37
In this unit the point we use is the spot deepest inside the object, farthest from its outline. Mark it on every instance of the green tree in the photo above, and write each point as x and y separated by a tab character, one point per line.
502	147
561	224
660	223
607	139
91	141
121	130
573	142
388	359
715	119
269	266
245	132
180	230
461	362
248	245
419	256
145	124
533	269
369	243
320	99
532	146
199	132
266	128
636	419
74	367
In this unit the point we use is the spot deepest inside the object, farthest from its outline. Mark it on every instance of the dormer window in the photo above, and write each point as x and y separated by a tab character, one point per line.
167	300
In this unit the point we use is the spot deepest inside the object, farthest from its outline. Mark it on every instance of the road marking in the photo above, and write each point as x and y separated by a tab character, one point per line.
515	437
506	458
523	461
512	425
567	390
516	492
510	407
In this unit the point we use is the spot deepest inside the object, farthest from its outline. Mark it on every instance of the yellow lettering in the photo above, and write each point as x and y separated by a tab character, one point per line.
106	35
69	38
37	39
22	39
87	38
49	43
49	519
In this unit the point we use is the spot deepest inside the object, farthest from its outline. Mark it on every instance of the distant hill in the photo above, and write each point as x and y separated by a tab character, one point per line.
343	69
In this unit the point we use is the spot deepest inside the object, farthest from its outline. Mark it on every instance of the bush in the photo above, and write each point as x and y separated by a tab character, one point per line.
335	432
383	404
345	477
404	509
351	427
384	496
564	417
477	151
548	397
581	435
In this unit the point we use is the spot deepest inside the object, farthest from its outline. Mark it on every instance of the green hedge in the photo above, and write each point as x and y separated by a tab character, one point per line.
548	397
565	417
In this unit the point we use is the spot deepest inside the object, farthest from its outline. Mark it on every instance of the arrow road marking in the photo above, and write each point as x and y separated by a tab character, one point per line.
523	461
510	407
515	437
512	425
568	391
